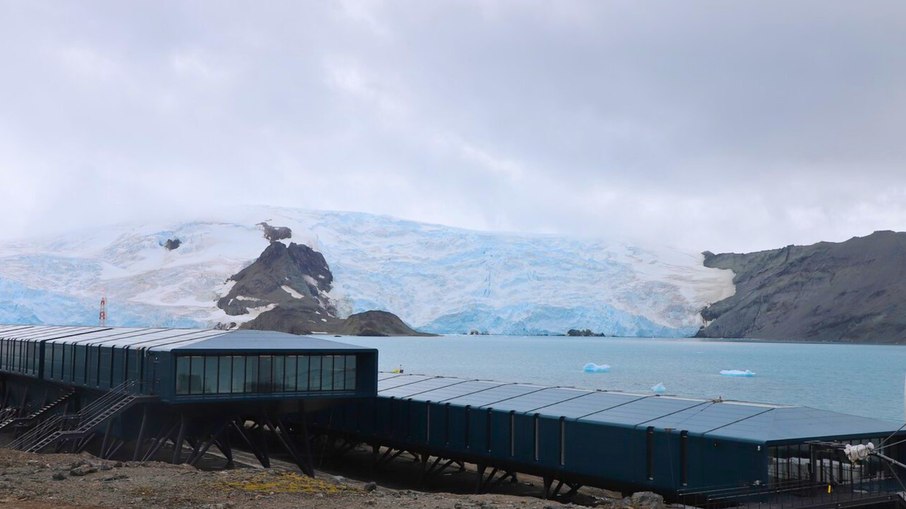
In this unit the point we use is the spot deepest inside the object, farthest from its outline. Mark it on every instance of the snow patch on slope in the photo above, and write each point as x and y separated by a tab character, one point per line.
292	293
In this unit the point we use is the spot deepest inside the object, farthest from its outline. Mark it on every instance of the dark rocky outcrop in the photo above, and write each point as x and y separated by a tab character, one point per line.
275	233
294	320
291	284
293	277
172	244
853	291
376	323
585	333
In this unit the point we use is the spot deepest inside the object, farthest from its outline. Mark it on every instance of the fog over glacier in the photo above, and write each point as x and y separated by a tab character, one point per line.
436	278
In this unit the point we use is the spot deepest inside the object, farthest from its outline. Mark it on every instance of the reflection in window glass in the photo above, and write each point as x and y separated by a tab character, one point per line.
196	374
289	375
327	373
251	373
314	368
210	374
182	375
265	378
339	375
279	384
302	373
238	373
350	373
223	377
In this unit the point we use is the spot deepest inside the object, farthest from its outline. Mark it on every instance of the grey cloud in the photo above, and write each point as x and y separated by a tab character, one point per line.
716	126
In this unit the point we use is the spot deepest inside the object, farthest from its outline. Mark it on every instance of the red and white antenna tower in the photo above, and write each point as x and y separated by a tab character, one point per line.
102	315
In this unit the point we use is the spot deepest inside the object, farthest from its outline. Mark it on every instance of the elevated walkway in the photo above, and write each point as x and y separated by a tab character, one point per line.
682	448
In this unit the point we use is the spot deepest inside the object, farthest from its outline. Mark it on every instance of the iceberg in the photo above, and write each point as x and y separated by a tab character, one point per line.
591	367
736	372
659	388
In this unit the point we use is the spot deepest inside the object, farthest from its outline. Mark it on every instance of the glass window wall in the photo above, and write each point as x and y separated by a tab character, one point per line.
244	374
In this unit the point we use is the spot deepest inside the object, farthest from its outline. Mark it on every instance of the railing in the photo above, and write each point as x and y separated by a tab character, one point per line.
6	421
794	494
64	422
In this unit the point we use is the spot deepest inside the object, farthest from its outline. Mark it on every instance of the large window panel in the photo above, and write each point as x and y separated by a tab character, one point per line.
279	373
251	373
302	373
238	375
289	373
339	372
224	380
350	373
265	373
210	374
327	373
314	369
196	374
182	375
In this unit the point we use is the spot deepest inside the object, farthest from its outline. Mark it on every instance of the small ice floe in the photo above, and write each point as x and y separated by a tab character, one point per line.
591	367
736	372
659	388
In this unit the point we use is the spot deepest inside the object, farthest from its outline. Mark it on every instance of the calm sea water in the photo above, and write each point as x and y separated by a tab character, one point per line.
863	380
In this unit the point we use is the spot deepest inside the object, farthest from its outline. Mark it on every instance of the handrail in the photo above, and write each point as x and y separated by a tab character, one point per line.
35	435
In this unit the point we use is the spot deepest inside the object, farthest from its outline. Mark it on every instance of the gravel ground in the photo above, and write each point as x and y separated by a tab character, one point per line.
67	481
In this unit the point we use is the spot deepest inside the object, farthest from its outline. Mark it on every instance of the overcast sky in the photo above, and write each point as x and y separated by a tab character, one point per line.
721	125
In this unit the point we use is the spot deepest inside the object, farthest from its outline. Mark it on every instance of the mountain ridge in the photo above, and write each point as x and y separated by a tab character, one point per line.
851	291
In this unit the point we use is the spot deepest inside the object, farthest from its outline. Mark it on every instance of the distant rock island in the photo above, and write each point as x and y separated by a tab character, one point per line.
853	291
287	287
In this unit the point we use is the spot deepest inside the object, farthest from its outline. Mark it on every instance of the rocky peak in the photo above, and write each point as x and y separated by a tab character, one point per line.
288	276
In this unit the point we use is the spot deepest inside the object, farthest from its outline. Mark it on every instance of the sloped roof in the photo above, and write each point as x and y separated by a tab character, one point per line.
718	419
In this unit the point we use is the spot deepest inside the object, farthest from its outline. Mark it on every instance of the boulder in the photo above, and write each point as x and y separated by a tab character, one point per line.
647	500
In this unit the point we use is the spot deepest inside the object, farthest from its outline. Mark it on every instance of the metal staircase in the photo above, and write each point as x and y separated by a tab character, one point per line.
75	426
12	421
8	413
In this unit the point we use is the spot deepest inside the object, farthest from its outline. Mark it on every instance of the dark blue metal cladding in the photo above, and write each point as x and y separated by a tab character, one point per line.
667	444
22	349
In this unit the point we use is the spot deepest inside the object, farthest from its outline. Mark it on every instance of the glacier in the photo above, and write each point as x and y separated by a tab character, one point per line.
436	278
